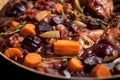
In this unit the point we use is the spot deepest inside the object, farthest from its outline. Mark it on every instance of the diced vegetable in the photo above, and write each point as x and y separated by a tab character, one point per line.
20	39
75	65
14	24
79	24
13	52
29	10
50	34
28	29
66	47
41	15
59	7
100	71
32	59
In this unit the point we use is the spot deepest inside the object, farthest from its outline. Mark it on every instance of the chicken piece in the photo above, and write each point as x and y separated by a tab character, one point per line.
113	37
92	34
100	8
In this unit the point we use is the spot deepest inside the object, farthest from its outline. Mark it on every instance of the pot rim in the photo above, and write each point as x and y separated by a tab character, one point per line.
54	76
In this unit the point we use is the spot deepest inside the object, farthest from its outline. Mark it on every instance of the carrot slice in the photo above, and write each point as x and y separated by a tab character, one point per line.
14	24
75	65
58	7
100	71
32	59
66	47
13	52
53	15
28	29
29	10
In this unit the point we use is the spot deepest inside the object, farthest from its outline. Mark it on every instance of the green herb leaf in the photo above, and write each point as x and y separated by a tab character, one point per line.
13	30
101	21
63	58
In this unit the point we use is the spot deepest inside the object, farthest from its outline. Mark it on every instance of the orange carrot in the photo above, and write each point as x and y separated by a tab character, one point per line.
14	24
13	52
75	65
66	47
29	10
58	7
100	71
32	59
53	15
27	29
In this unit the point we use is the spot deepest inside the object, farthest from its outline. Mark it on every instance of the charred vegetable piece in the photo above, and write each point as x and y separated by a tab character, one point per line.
43	27
55	20
31	43
16	10
102	50
93	24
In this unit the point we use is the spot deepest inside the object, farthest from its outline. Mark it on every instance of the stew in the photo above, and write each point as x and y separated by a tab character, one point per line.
72	38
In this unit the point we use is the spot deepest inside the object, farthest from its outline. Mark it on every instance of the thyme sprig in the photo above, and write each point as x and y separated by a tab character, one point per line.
13	30
101	21
63	58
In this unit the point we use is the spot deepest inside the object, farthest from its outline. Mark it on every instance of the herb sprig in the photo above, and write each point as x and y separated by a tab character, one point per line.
13	30
63	58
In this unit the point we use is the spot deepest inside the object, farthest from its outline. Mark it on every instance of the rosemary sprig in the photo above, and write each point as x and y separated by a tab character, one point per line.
63	58
101	21
13	30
